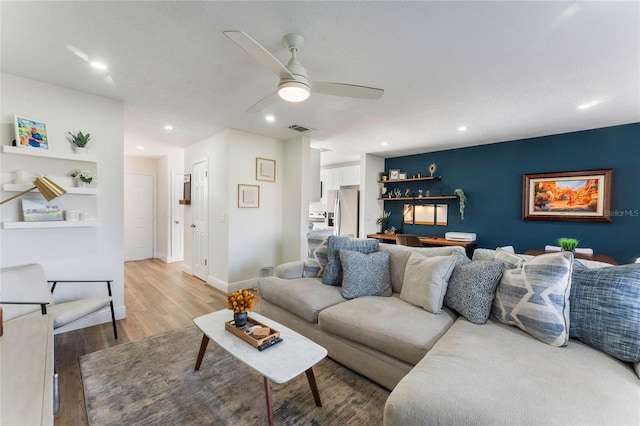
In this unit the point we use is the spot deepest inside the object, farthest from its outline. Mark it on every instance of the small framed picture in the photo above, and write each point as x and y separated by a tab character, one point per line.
442	213
425	214
248	196
265	169
407	213
402	175
30	133
394	174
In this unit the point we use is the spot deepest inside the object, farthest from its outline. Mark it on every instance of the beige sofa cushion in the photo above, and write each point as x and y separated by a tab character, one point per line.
426	280
303	297
387	324
494	374
400	255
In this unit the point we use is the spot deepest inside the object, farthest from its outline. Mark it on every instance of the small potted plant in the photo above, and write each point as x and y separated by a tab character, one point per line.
384	176
382	222
240	302
568	244
83	177
79	141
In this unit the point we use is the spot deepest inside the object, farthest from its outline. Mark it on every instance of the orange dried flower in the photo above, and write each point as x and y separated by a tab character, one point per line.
240	301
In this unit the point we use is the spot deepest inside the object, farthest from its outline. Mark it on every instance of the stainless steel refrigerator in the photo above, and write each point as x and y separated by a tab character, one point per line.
345	205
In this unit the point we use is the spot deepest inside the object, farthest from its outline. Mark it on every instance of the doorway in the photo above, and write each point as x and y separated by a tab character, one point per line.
139	216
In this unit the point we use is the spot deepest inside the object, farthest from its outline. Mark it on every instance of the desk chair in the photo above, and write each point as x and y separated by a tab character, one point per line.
25	291
408	240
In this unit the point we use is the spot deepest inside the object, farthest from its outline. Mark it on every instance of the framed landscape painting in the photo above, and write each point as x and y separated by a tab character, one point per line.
575	196
30	133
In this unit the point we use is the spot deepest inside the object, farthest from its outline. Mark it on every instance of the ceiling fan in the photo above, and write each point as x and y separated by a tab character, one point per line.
294	85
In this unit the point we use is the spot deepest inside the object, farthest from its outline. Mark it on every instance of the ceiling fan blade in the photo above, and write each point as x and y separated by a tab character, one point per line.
264	102
259	53
347	90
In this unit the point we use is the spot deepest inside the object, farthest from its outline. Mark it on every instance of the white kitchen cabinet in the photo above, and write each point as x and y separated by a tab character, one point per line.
350	175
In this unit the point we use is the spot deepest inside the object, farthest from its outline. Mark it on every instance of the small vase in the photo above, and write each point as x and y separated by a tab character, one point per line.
240	319
80	183
80	150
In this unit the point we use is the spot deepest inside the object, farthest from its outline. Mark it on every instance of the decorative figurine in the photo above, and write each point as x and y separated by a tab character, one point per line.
432	169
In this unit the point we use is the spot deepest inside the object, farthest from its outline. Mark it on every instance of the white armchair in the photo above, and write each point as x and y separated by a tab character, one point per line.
24	290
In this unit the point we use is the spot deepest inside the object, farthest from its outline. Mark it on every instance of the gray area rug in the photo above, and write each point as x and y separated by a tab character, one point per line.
152	382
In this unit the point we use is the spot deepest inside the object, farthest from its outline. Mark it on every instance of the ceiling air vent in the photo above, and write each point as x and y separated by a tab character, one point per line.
301	129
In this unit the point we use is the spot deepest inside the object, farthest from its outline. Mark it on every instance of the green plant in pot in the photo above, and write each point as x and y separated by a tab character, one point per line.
80	140
568	244
383	176
383	221
462	199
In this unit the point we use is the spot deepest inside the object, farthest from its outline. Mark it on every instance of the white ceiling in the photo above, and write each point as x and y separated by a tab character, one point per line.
505	70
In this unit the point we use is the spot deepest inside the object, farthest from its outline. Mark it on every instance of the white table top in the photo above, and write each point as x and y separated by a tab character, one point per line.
279	363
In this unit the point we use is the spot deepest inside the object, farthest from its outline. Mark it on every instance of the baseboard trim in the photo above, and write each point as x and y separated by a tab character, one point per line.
231	287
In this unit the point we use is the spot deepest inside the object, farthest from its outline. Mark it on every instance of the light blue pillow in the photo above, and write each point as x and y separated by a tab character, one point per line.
365	274
333	271
535	297
605	309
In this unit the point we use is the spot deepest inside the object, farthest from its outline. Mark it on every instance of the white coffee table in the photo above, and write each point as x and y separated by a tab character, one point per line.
279	363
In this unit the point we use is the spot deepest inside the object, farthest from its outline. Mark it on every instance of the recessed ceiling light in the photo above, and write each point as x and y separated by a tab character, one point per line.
269	118
168	127
462	128
140	147
384	143
99	66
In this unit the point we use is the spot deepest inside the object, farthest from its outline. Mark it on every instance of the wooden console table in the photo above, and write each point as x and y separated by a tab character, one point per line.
597	257
27	382
469	246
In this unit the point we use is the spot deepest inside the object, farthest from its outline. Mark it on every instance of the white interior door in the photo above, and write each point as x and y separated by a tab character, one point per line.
199	203
138	216
177	222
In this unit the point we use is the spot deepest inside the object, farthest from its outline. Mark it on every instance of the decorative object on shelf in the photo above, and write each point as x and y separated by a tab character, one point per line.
402	176
462	199
432	169
391	231
71	215
575	196
568	244
30	133
240	302
384	176
420	193
265	169
394	174
408	193
382	221
79	142
383	191
248	196
82	177
21	177
419	175
46	186
40	210
397	193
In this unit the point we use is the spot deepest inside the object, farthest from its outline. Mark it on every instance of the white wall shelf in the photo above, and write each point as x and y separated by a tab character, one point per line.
12	187
36	152
50	224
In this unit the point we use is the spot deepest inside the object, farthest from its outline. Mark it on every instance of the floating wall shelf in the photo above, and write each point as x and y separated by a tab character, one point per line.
11	187
37	152
50	224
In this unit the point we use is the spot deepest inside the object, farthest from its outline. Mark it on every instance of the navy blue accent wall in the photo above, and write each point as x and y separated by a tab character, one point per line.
492	178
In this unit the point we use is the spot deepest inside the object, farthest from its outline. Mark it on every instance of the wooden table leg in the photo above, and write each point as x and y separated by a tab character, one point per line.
314	388
203	348
267	391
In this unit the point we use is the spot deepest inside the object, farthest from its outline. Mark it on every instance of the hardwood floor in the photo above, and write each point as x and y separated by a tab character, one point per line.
159	297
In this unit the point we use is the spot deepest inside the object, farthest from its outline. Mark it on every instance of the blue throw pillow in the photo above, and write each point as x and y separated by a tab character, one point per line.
535	297
605	309
333	271
365	274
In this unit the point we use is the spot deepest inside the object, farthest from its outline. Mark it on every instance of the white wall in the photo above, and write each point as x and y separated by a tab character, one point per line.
370	207
69	253
295	213
241	241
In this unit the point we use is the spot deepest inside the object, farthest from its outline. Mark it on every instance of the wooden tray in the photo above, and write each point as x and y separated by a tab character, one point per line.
256	342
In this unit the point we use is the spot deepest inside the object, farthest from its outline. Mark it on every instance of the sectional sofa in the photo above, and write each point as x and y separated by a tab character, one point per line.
417	321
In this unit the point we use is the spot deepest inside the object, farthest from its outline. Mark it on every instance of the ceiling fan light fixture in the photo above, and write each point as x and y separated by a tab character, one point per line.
294	91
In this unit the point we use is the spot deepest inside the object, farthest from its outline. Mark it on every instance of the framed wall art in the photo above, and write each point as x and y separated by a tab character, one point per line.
394	174
265	169
425	214
30	133
575	196
248	196
442	213
407	213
